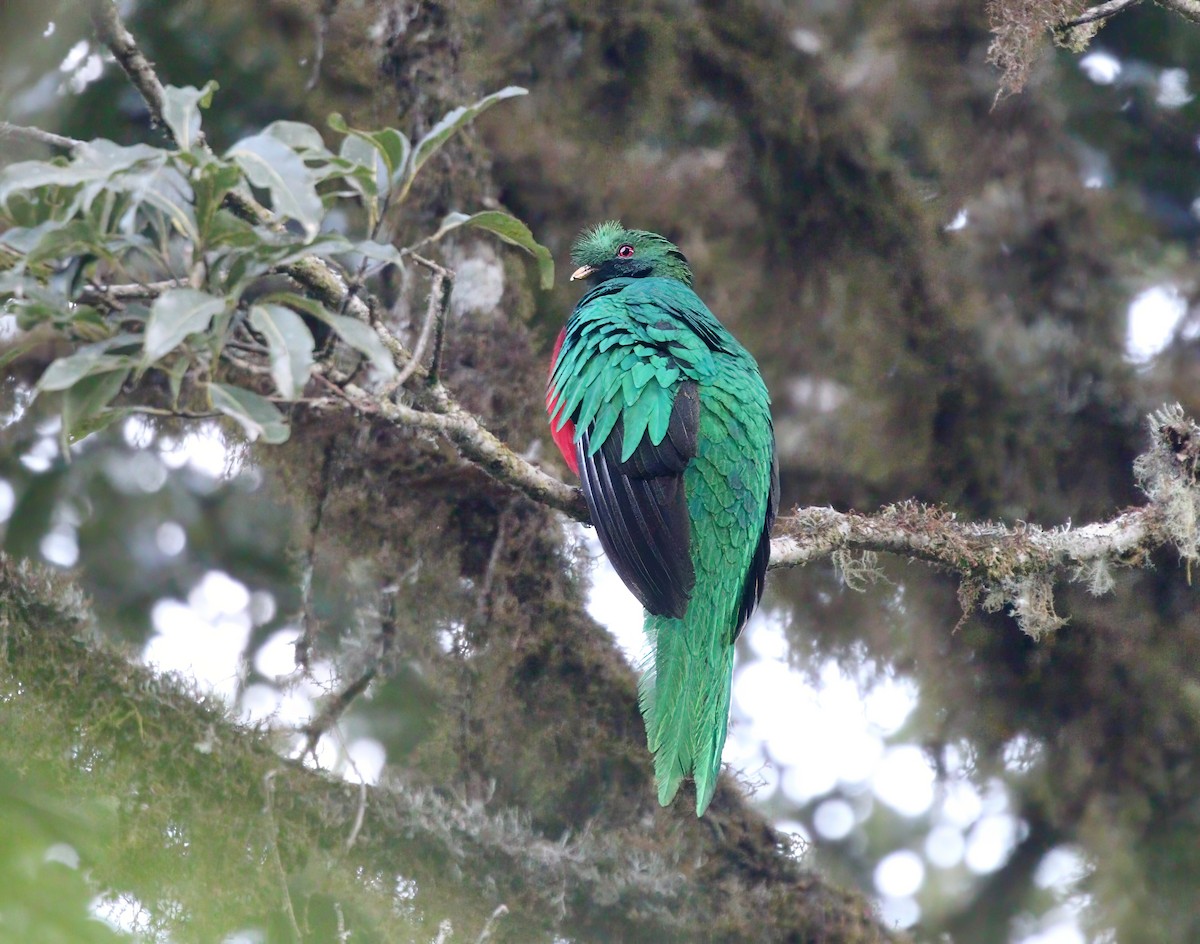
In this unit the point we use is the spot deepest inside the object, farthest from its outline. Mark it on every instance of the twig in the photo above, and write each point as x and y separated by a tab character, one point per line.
304	642
483	605
181	414
439	291
435	316
1101	11
38	136
273	827
343	933
1188	9
435	362
337	705
321	26
486	934
112	32
116	295
361	811
989	551
477	444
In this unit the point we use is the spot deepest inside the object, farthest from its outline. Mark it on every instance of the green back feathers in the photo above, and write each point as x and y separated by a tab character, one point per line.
627	347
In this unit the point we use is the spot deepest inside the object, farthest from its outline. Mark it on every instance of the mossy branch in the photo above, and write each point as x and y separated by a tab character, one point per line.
1019	29
84	698
176	764
1009	564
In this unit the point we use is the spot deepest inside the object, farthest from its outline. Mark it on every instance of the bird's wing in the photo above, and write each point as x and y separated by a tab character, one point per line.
639	505
625	376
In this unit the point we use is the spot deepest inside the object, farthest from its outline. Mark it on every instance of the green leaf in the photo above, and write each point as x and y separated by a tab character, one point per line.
84	401
392	146
363	338
31	312
23	239
60	189
508	228
101	158
257	415
360	336
290	344
87	323
271	165
211	185
451	123
299	137
175	314
372	171
181	111
396	148
76	239
380	252
16	352
67	371
166	189
93	424
27	176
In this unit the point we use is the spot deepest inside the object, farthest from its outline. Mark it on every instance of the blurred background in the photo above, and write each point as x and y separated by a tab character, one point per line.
968	300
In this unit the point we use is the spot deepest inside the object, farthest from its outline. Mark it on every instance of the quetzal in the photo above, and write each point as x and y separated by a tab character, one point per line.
667	421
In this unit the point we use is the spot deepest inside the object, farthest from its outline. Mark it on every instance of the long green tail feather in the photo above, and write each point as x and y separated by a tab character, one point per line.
684	694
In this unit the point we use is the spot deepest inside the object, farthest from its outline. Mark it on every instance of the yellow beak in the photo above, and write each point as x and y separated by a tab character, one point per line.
581	273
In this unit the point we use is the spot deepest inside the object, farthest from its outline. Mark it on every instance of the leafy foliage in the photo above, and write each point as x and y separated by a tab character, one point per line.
155	259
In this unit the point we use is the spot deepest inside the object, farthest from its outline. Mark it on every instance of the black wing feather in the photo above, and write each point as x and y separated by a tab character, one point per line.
756	577
639	507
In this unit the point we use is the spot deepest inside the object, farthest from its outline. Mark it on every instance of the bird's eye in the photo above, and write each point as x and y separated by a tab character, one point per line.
625	251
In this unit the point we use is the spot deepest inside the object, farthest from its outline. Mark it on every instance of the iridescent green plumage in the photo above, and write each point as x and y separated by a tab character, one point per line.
668	421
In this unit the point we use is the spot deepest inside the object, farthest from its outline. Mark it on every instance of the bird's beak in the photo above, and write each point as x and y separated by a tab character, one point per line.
582	272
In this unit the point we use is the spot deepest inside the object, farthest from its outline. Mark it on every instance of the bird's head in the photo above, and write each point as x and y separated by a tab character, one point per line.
610	251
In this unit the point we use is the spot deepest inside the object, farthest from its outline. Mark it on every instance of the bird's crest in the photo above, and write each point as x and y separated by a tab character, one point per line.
608	250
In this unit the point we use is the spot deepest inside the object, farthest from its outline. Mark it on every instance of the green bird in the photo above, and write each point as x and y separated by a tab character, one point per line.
667	421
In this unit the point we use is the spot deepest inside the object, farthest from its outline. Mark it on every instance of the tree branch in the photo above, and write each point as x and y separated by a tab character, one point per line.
38	136
112	32
990	552
336	705
435	315
1188	9
1000	566
935	536
476	444
463	856
1101	11
114	296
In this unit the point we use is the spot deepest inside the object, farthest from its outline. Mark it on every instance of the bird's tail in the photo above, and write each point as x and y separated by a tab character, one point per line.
684	695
